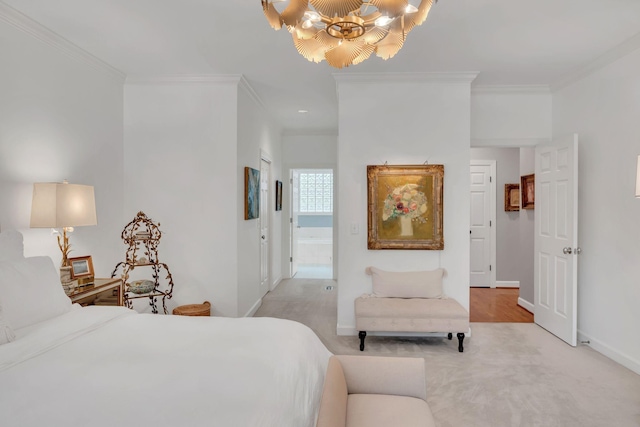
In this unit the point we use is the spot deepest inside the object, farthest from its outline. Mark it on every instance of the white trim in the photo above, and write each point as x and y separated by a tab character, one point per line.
156	79
29	26
508	142
349	331
310	132
621	358
244	84
275	283
436	77
623	49
253	309
527	305
493	215
511	89
507	283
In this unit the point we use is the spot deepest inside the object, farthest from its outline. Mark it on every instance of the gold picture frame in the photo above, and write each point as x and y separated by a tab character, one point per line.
511	197
528	191
81	266
405	207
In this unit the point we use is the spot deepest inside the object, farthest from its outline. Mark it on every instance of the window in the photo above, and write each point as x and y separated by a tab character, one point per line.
316	192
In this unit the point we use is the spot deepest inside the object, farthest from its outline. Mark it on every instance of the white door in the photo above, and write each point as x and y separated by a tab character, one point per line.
265	173
483	224
556	238
293	222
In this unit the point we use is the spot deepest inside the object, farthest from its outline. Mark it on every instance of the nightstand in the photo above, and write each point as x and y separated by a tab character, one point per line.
91	294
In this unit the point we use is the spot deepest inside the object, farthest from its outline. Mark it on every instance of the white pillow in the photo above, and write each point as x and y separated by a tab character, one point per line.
11	246
411	284
30	291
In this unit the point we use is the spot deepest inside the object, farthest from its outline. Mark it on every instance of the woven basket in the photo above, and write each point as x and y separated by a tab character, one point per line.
203	309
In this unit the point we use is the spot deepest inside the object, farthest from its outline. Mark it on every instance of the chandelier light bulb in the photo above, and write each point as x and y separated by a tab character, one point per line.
410	9
383	21
307	23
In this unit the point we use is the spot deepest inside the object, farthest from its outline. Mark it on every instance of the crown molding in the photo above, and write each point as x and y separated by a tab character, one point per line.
435	77
27	25
244	84
623	49
508	142
511	89
310	132
171	79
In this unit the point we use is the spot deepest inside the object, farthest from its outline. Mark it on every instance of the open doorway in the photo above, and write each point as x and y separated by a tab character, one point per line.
501	246
311	224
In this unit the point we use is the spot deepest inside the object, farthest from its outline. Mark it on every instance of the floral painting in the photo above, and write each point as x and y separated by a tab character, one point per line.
405	207
251	193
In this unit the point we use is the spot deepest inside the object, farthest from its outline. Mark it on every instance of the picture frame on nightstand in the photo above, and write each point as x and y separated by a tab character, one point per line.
81	267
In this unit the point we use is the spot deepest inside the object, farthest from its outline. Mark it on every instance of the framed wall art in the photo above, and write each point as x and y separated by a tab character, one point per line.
251	193
528	191
511	197
278	195
81	267
405	205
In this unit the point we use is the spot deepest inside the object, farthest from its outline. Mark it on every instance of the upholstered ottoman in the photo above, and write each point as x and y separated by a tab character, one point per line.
411	315
409	302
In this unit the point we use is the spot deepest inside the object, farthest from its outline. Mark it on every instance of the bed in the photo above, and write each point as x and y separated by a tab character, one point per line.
64	365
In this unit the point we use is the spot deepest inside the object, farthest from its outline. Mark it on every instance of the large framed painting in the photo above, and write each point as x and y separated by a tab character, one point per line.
511	197
405	206
528	187
251	193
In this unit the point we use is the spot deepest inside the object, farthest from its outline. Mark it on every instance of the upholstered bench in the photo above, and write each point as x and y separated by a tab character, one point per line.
366	391
409	302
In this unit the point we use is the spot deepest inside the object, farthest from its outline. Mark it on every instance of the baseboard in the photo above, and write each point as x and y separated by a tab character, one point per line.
613	354
253	309
526	305
507	284
275	283
349	331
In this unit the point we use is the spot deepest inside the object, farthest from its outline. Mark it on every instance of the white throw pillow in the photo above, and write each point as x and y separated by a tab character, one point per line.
6	333
11	245
411	284
30	291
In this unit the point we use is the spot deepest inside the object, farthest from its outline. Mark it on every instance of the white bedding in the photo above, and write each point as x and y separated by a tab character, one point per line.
108	366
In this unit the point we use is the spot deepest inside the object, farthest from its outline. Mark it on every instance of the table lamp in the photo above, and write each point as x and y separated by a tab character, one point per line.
63	205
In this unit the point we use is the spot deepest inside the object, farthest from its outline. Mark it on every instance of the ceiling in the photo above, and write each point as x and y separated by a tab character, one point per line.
509	42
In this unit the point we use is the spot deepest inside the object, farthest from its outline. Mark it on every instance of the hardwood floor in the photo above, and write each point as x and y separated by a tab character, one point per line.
497	305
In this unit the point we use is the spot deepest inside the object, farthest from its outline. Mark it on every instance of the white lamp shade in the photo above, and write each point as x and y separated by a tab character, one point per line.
638	179
58	205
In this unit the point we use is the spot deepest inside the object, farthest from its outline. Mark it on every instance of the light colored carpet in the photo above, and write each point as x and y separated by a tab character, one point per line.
510	374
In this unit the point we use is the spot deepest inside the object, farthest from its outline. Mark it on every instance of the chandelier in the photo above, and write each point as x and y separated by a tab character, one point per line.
346	32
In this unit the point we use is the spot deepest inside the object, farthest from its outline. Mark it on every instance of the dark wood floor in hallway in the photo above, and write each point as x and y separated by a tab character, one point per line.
497	305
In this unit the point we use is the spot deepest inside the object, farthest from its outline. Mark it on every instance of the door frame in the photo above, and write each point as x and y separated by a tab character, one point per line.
287	206
264	156
492	216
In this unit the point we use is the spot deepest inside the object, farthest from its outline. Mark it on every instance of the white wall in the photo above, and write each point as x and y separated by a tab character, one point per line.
307	151
181	170
60	118
507	222
400	120
510	116
604	109
257	136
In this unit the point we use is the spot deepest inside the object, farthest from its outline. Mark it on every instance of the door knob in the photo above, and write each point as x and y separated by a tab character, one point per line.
566	251
263	237
577	251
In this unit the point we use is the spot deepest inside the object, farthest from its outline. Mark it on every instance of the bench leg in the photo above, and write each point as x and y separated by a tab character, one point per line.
362	335
450	336
460	339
